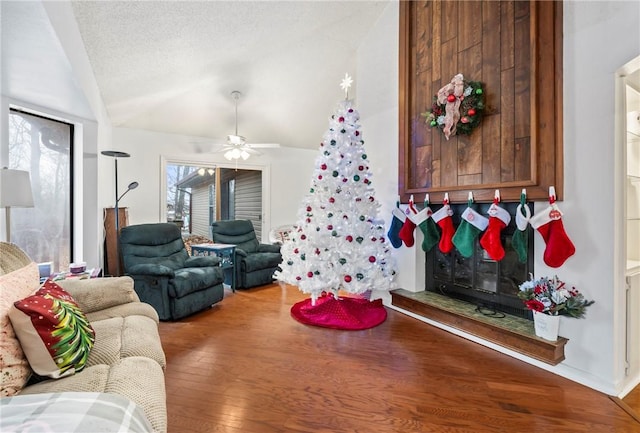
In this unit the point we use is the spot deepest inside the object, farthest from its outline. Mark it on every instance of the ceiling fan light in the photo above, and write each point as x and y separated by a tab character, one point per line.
201	171
245	155
229	155
210	171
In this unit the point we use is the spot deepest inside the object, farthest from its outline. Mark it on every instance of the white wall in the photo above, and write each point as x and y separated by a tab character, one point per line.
593	353
286	174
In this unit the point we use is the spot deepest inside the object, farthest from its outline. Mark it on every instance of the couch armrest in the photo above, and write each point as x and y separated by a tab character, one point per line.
268	248
96	294
151	270
201	261
240	252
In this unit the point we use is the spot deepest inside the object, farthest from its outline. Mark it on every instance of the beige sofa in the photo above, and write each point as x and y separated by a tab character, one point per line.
127	358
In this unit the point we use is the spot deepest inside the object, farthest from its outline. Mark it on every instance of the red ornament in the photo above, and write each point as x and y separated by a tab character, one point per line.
344	180
309	274
349	238
347	278
317	251
332	200
372	259
298	278
361	167
330	227
471	112
451	98
320	177
309	208
371	199
303	237
323	166
357	133
296	251
341	119
464	120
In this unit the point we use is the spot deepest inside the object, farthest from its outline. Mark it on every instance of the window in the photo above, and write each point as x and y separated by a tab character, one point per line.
44	148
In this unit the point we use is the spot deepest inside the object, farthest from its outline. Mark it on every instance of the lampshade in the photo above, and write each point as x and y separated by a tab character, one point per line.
15	188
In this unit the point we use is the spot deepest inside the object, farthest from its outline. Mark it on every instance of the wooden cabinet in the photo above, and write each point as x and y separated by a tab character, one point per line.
515	49
111	250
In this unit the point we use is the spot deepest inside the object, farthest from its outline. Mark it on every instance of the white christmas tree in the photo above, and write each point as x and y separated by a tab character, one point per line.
339	243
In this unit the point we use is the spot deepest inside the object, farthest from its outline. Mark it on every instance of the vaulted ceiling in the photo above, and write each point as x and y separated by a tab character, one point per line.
171	66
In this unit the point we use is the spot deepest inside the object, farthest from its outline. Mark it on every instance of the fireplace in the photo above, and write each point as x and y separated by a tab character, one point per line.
489	284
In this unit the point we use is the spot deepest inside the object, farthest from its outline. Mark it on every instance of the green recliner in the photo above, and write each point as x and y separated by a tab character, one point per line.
164	275
255	262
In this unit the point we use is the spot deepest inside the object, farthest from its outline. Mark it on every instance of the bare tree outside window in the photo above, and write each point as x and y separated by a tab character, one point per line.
43	147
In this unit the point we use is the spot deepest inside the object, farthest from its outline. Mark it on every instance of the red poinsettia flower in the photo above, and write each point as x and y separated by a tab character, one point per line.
534	305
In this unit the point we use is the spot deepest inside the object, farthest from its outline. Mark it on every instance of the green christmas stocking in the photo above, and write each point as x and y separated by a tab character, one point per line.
470	227
428	228
520	240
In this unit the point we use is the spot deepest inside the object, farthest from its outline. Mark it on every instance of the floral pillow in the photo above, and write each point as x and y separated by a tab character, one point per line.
14	367
55	335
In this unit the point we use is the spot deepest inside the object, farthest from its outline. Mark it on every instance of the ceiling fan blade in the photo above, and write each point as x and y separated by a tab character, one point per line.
263	145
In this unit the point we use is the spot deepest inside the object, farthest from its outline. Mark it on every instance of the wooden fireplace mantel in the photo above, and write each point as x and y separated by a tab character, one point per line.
515	334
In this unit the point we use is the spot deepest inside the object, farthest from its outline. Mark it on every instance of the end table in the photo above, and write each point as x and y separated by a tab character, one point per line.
227	254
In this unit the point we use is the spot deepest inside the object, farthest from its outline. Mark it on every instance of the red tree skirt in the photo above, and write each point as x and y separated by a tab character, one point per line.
344	313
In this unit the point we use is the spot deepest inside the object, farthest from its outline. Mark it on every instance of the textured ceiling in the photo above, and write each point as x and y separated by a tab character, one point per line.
171	66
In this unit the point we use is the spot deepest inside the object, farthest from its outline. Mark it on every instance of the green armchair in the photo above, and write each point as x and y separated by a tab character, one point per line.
255	262
164	275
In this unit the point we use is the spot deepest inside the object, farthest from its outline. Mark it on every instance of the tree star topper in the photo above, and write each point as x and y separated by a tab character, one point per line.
346	83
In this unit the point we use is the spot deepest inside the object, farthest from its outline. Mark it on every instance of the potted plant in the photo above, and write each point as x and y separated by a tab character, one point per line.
550	298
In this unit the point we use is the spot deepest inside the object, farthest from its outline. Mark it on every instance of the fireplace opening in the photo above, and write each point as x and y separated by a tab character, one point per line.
490	285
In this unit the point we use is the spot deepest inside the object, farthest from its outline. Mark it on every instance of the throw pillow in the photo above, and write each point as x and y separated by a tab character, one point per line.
55	335
14	367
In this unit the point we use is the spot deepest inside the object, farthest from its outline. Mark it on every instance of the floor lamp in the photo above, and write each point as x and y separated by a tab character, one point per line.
115	154
15	191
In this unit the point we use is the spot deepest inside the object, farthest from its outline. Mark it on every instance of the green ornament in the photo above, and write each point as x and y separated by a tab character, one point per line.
359	239
356	178
362	218
434	123
335	173
343	131
359	276
290	262
327	153
333	142
329	215
342	261
302	256
364	156
334	233
312	190
478	91
316	272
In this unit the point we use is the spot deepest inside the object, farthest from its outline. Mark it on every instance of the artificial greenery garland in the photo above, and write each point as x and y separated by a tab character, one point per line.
471	108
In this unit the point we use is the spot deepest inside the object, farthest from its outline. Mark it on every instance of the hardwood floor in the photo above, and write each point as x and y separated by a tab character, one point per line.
247	366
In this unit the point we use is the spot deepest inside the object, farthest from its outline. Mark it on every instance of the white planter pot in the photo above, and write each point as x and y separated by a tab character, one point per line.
546	326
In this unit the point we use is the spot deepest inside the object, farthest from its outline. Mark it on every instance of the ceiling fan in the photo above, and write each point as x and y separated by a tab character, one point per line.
237	146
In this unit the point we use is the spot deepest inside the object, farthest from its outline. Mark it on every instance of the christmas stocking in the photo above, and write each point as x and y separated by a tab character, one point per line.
397	221
520	239
470	227
558	245
491	239
406	232
442	217
428	228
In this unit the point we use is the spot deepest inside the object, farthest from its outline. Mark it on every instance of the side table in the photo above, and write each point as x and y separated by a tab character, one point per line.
227	254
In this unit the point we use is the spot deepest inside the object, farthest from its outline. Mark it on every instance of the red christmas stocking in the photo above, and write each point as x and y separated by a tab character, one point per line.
443	218
491	240
558	245
408	228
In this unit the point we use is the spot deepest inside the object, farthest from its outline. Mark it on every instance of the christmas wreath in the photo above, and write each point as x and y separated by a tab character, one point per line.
457	107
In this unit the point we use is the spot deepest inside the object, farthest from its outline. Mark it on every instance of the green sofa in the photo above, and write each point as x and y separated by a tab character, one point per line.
165	276
255	262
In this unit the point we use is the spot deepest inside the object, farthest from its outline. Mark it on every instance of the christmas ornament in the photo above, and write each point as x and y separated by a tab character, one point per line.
406	232
470	227
397	220
442	217
457	107
427	226
520	239
491	240
549	224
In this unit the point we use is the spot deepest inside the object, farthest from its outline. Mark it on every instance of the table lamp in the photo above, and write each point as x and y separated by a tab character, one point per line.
15	191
